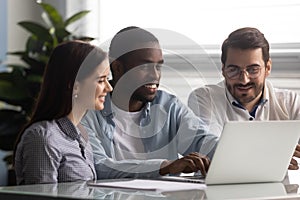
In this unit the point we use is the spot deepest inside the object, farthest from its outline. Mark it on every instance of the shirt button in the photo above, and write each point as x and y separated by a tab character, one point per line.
251	118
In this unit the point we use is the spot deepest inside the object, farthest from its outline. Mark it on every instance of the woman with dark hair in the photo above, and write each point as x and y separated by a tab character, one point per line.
53	147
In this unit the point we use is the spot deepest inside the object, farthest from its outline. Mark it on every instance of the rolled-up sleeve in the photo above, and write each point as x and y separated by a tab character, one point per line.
106	166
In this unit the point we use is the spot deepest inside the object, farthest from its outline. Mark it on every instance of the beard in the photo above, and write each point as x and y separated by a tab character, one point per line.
252	91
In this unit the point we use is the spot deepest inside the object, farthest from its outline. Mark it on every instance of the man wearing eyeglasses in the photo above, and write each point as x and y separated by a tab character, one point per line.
245	94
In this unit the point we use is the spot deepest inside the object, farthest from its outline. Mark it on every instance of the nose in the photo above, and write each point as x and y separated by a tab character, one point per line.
108	87
154	72
244	76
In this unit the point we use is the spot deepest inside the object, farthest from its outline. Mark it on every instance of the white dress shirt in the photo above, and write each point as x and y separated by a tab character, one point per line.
215	105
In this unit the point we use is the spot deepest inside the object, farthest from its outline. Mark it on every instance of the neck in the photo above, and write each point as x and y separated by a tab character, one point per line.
249	106
135	105
122	98
76	115
130	106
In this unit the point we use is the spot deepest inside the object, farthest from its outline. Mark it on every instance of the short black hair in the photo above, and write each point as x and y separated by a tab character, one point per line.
127	40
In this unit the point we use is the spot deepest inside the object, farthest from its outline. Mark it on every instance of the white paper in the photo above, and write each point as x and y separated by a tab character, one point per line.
149	185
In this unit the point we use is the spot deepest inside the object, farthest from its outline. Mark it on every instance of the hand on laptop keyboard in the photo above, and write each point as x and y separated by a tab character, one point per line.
294	163
192	162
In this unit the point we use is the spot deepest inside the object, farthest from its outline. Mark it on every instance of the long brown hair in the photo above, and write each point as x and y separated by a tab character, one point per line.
69	61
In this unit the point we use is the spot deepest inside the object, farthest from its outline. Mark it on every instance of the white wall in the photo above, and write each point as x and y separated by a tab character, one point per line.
16	36
3	34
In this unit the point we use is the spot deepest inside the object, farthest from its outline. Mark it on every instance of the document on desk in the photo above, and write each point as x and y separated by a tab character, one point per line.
149	185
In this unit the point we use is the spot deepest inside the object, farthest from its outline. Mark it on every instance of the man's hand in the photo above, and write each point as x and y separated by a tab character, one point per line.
187	164
294	164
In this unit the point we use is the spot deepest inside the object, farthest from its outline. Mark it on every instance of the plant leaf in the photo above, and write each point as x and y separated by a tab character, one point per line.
35	78
15	89
16	53
10	125
17	66
37	30
10	91
76	17
61	34
36	66
54	16
33	45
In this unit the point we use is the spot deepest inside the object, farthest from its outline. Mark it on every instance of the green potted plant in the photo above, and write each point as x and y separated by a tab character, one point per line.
20	84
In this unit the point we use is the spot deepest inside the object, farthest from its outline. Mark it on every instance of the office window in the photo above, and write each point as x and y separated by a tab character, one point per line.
206	24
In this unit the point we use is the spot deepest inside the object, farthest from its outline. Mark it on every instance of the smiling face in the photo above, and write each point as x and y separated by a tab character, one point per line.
139	75
145	69
92	90
243	88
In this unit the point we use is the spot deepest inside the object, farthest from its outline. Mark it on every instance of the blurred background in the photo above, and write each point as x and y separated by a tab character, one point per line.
191	33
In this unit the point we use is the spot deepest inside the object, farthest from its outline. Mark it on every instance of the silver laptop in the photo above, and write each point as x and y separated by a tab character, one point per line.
251	152
254	151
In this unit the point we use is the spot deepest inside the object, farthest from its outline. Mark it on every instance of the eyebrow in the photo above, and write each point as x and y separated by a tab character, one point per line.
151	61
252	65
104	76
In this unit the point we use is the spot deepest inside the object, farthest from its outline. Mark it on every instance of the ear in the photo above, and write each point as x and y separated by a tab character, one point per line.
76	87
268	67
223	66
117	69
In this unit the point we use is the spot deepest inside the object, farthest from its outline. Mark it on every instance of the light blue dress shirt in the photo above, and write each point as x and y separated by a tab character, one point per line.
168	128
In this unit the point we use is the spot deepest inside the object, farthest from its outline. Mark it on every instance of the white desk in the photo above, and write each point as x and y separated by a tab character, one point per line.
288	189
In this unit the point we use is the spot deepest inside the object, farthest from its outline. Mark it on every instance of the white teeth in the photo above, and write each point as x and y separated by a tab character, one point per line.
153	86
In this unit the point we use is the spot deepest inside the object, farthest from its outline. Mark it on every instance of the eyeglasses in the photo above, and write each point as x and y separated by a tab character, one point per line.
234	72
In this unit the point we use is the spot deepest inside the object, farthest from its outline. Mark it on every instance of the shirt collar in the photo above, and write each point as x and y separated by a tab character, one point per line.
67	127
